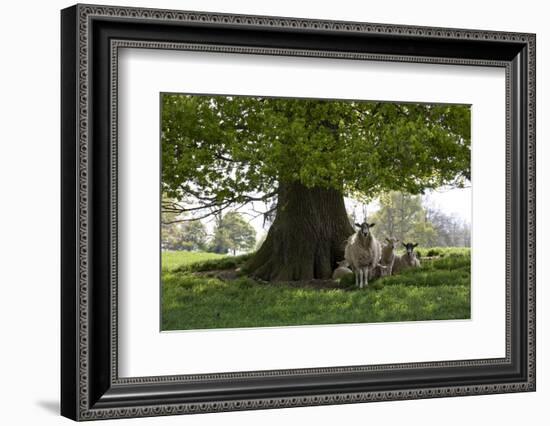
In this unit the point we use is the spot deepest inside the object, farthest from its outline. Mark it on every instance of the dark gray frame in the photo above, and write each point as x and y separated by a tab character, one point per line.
91	37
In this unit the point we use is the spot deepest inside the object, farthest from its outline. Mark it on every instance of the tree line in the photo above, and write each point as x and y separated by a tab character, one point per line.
403	216
232	234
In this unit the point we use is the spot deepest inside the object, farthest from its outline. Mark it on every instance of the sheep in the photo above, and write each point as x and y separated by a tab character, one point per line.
342	270
407	260
387	259
363	253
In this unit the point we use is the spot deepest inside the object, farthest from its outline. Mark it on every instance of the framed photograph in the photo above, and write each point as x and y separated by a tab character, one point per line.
263	212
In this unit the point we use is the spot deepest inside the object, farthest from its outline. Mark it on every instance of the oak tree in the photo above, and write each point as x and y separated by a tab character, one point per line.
301	157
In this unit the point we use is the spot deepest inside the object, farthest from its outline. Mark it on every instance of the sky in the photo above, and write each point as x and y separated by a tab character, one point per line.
457	201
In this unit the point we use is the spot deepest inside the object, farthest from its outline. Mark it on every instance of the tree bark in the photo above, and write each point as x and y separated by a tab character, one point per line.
307	238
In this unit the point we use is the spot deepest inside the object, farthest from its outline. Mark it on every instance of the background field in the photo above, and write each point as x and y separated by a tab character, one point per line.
204	290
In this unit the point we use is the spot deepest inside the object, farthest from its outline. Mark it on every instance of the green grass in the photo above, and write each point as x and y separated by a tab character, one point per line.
175	259
439	290
226	262
441	251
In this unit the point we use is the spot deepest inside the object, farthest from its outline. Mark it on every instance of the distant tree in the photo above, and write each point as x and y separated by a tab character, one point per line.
182	235
467	235
220	241
233	234
451	231
424	233
402	216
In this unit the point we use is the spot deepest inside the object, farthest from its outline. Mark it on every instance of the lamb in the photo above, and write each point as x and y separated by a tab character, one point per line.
342	270
387	259
407	260
363	253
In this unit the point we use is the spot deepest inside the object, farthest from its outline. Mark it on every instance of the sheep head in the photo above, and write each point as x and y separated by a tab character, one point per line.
410	248
392	242
364	228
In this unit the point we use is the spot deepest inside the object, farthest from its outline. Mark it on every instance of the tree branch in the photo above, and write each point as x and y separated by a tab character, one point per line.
215	206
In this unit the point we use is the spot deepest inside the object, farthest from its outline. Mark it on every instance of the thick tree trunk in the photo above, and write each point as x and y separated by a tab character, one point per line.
307	237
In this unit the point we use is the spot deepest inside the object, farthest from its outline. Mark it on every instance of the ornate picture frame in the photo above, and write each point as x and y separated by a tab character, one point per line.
91	37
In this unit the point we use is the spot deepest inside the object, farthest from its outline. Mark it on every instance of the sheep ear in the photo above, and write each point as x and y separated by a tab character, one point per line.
358	225
388	240
404	245
414	245
371	224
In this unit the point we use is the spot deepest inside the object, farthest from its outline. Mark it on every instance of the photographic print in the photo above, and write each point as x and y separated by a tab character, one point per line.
293	211
361	193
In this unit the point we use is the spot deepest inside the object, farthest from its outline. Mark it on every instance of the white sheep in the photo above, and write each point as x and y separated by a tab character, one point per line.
342	270
407	260
363	253
387	258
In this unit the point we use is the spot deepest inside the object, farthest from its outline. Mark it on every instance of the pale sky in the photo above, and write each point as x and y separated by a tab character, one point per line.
452	201
457	201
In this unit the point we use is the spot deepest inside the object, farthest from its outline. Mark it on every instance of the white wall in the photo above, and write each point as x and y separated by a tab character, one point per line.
29	211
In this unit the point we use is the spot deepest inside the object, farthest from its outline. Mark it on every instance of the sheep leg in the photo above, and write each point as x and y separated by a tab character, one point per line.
361	279
366	276
356	271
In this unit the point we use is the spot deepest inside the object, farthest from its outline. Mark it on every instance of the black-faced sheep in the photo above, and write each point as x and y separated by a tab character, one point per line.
407	260
363	253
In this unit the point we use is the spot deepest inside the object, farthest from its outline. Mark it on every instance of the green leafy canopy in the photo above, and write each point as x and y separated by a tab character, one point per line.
226	150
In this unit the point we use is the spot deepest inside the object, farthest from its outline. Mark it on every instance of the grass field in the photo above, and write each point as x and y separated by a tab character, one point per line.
175	259
194	298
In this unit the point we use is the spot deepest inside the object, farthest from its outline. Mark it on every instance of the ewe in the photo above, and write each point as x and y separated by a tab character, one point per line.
342	270
363	253
408	260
